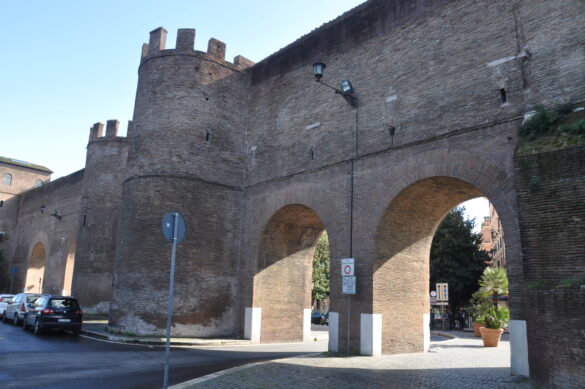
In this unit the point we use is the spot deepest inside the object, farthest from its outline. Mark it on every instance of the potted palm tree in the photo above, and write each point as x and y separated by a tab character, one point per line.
495	321
493	282
478	312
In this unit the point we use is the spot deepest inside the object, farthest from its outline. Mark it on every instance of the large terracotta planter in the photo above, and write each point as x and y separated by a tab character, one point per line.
491	337
476	328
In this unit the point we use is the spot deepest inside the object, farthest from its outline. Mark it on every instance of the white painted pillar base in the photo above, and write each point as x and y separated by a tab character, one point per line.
426	332
306	325
519	348
333	332
252	325
371	334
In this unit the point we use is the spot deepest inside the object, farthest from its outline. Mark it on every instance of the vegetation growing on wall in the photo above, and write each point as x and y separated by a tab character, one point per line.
552	129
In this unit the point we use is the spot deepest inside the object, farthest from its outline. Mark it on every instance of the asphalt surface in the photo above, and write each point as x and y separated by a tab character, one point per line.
61	360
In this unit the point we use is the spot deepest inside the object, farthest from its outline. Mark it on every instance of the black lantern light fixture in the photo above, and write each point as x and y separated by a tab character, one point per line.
346	89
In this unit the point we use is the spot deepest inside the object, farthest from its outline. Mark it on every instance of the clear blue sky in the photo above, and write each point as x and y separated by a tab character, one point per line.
67	64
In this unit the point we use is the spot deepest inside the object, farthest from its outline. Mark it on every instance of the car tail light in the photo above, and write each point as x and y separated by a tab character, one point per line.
78	312
47	311
22	308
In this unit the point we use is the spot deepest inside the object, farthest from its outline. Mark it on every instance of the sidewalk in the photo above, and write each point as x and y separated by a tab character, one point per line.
96	328
461	362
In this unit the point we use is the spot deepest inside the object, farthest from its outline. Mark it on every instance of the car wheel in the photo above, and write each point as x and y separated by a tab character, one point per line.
76	332
4	320
24	325
37	329
15	321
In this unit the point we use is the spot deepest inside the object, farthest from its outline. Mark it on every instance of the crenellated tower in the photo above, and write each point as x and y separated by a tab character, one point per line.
186	154
105	170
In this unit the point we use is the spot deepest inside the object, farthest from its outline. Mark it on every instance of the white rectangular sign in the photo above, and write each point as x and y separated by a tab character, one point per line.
347	267
348	285
442	291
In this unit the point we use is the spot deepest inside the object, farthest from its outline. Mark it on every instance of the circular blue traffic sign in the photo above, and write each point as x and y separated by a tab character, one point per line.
168	226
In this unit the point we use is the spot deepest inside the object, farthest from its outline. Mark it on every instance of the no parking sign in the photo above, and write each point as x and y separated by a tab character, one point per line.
347	275
347	267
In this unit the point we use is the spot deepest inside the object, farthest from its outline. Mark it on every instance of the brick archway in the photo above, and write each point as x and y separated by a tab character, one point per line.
35	273
401	267
282	283
411	199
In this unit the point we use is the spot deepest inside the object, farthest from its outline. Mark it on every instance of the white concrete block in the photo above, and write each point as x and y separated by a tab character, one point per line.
427	332
253	323
371	334
306	325
334	332
519	348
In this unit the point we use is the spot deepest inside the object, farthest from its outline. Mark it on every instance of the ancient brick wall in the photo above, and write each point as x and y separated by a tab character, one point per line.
24	176
551	189
105	171
186	155
56	234
260	159
442	87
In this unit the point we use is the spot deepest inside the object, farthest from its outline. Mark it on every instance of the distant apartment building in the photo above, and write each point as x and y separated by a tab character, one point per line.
492	236
497	239
19	176
486	234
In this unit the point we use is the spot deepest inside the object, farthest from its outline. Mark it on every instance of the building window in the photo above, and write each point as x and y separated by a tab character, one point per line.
38	183
7	180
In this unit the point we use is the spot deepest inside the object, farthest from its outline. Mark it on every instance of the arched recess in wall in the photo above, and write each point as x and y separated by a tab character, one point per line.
401	270
69	267
283	279
429	186
35	273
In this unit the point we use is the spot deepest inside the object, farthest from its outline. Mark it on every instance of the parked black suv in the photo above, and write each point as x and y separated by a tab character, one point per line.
54	313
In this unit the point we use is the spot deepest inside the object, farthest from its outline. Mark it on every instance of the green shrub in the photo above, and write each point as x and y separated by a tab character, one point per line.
496	317
550	122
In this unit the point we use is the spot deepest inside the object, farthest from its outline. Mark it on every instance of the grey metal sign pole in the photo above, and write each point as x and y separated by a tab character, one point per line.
173	227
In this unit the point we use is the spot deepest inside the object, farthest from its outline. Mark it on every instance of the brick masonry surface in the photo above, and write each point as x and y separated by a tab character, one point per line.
260	159
551	193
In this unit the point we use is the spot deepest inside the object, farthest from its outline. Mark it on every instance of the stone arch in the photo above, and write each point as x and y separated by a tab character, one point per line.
35	273
282	282
69	268
401	267
426	189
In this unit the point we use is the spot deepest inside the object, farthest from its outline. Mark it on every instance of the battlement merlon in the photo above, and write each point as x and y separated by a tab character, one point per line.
158	40
96	132
112	128
185	39
186	45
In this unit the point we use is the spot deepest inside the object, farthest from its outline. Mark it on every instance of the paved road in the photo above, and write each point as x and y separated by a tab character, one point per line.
57	360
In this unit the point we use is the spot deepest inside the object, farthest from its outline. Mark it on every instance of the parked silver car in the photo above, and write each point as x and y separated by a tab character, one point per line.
17	308
5	299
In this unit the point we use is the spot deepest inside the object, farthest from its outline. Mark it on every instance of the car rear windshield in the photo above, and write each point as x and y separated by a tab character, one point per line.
64	303
32	299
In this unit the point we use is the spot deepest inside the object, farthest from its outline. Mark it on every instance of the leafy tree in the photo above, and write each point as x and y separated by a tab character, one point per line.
321	271
456	257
